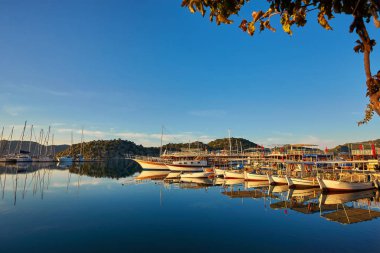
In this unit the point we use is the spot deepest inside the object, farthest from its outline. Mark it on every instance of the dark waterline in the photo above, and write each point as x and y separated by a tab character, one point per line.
99	207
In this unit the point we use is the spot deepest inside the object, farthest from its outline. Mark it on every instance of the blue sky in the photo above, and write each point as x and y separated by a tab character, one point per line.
121	69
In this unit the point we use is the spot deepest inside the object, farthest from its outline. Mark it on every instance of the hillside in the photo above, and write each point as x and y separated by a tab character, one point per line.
236	143
105	149
34	147
355	145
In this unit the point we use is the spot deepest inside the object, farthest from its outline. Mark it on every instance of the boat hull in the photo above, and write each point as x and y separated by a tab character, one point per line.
181	168
299	182
150	165
196	175
233	175
219	172
273	180
254	177
337	186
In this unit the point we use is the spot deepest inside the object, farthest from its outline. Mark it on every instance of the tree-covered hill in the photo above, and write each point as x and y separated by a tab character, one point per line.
236	144
106	149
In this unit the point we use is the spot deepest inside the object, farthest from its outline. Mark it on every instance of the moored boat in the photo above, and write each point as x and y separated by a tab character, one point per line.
273	180
188	165
340	186
152	165
65	159
202	174
301	182
254	177
234	174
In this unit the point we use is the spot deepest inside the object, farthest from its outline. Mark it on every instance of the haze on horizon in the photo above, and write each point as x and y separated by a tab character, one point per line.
121	69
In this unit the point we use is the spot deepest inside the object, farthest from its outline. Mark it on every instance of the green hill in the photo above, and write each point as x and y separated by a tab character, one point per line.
109	149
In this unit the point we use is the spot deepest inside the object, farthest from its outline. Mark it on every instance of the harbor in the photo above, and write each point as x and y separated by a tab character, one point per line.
56	203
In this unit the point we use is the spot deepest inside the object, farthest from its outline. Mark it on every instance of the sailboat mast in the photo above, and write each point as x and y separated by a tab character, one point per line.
30	139
162	134
10	141
81	143
1	141
229	140
52	145
22	137
47	142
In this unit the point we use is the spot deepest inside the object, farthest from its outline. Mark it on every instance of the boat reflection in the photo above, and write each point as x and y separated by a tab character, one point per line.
349	208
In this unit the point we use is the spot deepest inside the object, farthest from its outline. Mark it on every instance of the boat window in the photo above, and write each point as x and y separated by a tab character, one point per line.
185	163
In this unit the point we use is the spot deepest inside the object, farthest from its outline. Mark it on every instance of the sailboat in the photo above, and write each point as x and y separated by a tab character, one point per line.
67	158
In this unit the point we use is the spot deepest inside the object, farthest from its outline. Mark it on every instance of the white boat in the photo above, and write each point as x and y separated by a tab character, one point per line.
43	159
202	174
65	159
254	177
339	186
219	172
152	174
188	165
276	180
233	174
152	165
301	182
23	158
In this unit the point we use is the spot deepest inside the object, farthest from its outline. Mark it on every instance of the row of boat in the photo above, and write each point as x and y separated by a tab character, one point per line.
327	181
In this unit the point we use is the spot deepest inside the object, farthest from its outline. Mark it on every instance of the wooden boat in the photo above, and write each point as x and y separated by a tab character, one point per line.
254	177
188	165
276	180
340	186
219	172
152	165
202	174
301	182
234	174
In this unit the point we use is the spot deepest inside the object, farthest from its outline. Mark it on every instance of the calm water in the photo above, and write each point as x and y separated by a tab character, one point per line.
101	208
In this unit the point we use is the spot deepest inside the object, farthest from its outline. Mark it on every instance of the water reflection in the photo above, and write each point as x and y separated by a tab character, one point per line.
345	208
21	181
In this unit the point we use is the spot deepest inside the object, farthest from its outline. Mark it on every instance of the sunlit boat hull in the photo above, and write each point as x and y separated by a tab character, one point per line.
150	165
219	172
234	175
299	182
196	175
255	177
273	180
184	168
337	186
